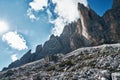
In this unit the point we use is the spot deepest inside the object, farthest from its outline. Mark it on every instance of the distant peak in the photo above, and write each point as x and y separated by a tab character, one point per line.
81	6
52	36
29	52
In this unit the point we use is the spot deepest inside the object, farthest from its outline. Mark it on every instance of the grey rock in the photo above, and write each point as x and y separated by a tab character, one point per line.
115	76
89	30
116	3
81	64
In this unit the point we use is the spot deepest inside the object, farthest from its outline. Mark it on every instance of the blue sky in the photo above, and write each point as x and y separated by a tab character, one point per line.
31	25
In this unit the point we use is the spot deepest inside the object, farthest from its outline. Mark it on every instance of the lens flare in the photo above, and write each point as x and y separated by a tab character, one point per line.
3	27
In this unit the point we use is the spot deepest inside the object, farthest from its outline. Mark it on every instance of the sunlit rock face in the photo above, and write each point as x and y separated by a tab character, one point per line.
97	30
92	24
89	30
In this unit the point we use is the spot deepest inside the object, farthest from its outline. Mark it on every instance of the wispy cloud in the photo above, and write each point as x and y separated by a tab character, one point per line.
36	5
14	57
59	26
15	40
67	13
31	15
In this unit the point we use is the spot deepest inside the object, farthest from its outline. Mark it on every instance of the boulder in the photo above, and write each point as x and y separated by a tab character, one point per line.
115	76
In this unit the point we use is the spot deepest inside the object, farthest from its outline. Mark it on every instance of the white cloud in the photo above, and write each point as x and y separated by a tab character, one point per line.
14	57
38	4
49	15
31	15
59	26
15	40
65	9
67	12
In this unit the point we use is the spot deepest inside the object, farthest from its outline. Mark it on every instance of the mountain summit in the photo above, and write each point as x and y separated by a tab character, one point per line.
89	30
84	51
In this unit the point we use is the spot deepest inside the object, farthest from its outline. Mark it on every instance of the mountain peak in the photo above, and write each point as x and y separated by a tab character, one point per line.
89	30
52	36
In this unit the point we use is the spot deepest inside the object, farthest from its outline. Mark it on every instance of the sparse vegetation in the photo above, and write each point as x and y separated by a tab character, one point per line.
66	63
103	51
94	60
50	68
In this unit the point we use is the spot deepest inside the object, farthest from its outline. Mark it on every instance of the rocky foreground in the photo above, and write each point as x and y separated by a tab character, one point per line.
90	63
89	30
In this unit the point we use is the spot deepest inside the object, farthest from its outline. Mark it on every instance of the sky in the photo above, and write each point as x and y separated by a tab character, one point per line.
24	24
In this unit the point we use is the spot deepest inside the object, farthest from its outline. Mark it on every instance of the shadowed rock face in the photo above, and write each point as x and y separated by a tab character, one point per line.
66	35
52	46
112	21
89	30
116	3
38	49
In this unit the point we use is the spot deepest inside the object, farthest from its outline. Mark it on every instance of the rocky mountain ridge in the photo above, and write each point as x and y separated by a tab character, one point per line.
89	30
88	63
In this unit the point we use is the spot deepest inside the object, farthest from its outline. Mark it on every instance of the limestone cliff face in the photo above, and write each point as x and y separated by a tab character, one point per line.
89	30
92	25
95	30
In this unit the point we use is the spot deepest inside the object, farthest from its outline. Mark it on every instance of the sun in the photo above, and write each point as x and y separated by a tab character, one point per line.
3	27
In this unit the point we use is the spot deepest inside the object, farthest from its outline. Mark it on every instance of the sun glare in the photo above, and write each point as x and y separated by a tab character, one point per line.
3	27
